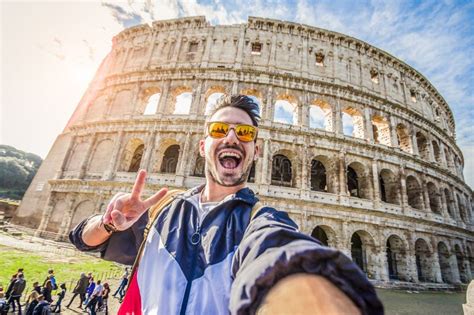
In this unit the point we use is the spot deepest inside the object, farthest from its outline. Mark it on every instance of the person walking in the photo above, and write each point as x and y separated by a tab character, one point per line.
17	290
121	288
80	289
47	291
103	303
43	307
90	290
95	297
61	295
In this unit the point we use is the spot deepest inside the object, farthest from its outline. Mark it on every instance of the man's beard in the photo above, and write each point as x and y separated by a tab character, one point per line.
211	172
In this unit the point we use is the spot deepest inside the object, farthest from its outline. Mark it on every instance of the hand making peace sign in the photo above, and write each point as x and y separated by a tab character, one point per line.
125	209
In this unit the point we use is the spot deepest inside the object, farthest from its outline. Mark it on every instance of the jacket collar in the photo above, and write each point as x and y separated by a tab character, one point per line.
245	194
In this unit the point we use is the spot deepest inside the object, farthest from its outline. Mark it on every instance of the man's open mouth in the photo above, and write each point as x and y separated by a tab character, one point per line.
229	159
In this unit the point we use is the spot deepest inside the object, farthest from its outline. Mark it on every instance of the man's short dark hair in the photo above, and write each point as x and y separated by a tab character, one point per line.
240	101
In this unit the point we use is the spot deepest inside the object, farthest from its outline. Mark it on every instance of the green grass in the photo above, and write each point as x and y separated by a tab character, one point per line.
429	303
66	269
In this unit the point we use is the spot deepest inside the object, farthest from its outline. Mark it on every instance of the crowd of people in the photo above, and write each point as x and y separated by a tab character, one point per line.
93	295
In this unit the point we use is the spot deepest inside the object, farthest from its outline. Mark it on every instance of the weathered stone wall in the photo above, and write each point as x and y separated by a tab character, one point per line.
368	161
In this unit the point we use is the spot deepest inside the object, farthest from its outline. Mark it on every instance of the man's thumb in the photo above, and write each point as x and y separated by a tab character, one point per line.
117	218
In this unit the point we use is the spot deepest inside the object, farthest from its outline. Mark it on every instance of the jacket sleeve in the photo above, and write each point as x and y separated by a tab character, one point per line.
121	247
273	248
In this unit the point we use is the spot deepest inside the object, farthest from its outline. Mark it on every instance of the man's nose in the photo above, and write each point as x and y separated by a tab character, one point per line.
231	137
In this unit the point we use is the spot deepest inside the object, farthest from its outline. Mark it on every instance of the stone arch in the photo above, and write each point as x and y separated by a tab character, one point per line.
101	156
318	174
460	263
199	166
286	110
132	156
152	103
434	197
404	139
381	130
449	202
414	192
83	210
397	258
436	151
389	187
57	215
423	147
424	261
363	252
282	170
170	160
211	97
182	99
357	180
77	156
148	100
352	122
97	109
325	234
122	104
256	96
444	264
320	115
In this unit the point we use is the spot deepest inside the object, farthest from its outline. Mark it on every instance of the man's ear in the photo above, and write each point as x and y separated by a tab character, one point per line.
201	147
257	152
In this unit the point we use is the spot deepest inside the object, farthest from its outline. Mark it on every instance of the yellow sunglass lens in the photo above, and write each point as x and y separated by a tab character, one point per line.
218	130
245	133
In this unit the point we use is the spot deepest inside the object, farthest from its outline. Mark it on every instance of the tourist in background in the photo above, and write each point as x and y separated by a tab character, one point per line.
43	306
90	290
61	295
17	290
103	303
95	297
80	289
123	284
51	277
33	296
46	291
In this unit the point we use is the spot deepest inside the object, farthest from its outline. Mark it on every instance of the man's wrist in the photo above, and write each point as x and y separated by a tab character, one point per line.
108	227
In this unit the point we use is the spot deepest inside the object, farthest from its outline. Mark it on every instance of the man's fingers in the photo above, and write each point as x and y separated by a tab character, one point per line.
155	198
139	184
118	218
111	206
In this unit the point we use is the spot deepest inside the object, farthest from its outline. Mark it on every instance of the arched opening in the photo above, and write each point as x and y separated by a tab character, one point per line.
318	176
423	149
389	187
285	111
282	174
136	159
152	104
212	101
434	198
449	202
460	263
170	159
199	167
443	257
182	104
403	137
462	209
357	183
357	252
352	123
319	234
251	178
381	130
436	151
424	263
414	193
396	259
320	115
82	211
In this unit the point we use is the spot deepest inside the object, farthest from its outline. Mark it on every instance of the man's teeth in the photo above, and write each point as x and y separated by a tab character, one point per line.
229	154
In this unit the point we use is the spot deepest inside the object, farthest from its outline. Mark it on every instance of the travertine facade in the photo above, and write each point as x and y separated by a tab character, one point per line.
358	147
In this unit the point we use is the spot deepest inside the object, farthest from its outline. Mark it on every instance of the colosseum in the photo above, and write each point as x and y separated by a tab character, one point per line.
358	147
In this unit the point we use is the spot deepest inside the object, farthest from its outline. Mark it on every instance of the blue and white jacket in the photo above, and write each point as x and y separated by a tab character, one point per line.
226	263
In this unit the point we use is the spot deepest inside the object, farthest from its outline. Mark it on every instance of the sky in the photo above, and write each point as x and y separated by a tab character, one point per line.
50	50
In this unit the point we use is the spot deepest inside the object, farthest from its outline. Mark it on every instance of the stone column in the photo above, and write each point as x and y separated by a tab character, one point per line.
304	110
368	132
271	58
412	272
151	49
184	155
443	155
414	143
196	105
269	105
342	174
177	48
266	170
376	181
162	106
304	168
345	238
149	148
393	133
454	266
426	196
403	189
50	204
67	156
240	48
435	260
87	156
114	159
304	59
337	118
430	148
